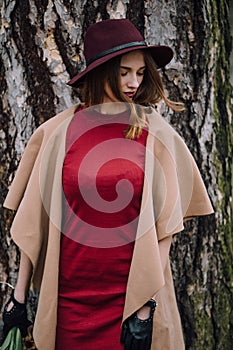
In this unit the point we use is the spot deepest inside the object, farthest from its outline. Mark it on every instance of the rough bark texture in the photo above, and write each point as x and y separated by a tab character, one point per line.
41	43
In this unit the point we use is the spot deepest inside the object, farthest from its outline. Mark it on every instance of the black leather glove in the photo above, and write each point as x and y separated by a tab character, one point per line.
15	317
136	333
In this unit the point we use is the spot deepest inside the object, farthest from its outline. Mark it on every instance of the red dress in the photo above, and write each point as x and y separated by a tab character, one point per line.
103	175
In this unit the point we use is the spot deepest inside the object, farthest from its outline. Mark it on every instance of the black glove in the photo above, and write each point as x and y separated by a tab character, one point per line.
15	317
137	334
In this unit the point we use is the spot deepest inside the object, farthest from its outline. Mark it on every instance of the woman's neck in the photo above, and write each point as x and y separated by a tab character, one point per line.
111	107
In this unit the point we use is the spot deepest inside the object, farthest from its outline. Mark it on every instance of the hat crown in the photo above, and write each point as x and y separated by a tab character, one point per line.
108	34
112	37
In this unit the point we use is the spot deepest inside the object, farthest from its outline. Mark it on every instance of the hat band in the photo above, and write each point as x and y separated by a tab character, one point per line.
115	49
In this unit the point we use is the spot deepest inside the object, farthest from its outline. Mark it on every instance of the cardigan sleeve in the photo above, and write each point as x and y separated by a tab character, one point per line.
24	171
179	192
32	222
29	227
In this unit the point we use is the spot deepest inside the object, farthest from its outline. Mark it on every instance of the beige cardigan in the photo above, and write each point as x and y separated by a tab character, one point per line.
173	191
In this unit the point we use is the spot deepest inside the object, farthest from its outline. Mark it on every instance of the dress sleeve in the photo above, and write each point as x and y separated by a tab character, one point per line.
179	192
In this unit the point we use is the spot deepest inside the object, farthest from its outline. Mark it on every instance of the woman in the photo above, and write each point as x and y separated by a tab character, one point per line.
98	247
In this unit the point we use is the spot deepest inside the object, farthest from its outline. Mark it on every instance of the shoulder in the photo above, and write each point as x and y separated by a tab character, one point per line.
59	118
165	138
49	127
157	123
160	128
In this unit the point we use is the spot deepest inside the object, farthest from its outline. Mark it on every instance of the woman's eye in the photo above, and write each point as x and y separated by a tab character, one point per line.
123	74
141	73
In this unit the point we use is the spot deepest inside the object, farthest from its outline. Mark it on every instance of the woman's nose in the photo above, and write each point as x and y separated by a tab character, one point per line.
133	81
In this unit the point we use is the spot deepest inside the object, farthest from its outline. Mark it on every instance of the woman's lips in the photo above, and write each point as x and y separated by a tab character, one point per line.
130	94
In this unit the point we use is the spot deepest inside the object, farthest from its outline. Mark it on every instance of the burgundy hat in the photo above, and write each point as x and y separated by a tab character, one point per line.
112	37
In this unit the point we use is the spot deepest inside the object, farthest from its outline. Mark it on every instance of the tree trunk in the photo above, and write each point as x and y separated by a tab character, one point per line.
42	47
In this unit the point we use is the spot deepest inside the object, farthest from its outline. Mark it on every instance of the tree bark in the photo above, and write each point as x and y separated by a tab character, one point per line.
42	47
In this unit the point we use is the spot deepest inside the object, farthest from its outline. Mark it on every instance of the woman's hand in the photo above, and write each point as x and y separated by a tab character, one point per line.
137	329
15	315
144	312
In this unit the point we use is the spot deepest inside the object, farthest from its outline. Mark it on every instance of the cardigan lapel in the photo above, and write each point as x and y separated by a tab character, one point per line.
146	275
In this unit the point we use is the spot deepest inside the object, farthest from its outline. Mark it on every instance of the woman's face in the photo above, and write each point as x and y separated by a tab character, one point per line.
132	67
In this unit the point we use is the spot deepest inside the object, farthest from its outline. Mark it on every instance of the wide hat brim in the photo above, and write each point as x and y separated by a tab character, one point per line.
162	55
